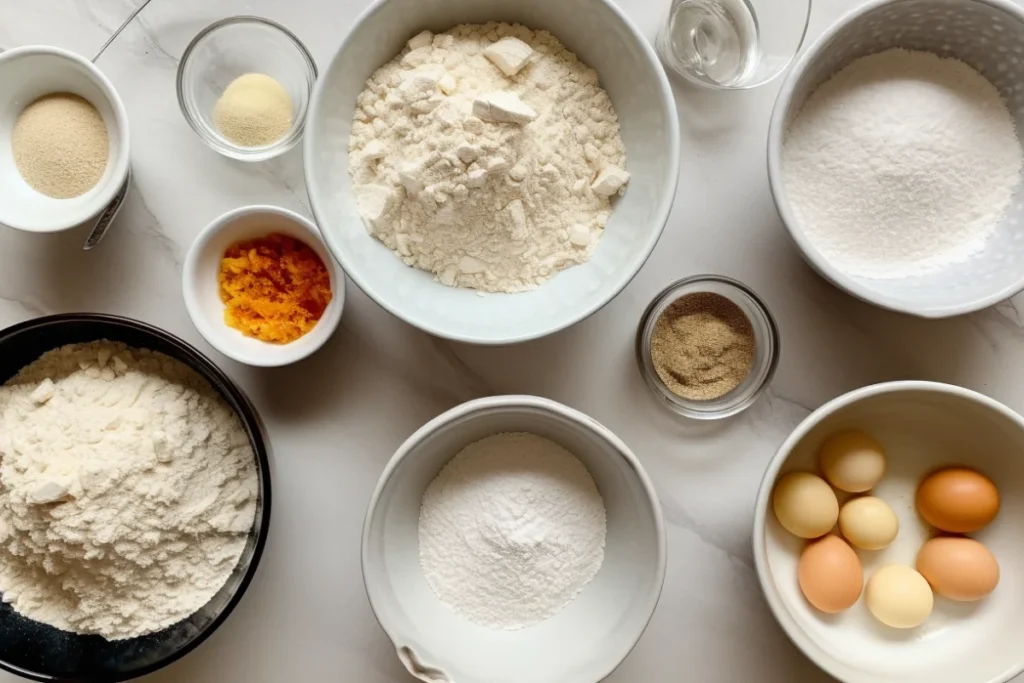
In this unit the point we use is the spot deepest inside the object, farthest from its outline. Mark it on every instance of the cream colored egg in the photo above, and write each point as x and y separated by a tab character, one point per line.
805	505
852	461
898	596
868	522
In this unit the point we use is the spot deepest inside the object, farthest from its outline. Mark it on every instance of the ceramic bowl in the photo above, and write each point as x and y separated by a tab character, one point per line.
26	74
604	38
987	35
39	652
922	426
581	644
202	291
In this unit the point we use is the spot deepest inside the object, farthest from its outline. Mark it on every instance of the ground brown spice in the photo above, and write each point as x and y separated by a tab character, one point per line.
702	346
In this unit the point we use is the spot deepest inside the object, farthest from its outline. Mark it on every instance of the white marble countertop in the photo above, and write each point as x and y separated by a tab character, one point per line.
336	418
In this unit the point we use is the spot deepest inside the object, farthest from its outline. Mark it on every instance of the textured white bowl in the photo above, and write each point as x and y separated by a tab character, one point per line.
986	34
581	644
601	35
26	74
202	291
922	426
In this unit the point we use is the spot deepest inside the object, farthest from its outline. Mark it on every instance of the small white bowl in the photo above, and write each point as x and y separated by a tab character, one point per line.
604	38
202	291
922	426
26	74
584	642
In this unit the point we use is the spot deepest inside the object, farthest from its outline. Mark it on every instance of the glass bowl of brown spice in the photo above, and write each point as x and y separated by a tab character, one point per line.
707	346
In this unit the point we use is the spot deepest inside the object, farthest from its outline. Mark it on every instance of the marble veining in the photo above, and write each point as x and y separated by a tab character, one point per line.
336	418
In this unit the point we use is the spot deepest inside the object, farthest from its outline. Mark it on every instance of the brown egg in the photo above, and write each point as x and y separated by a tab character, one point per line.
958	568
830	574
957	500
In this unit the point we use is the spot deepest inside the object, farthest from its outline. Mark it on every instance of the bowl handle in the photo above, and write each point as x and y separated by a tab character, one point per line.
411	661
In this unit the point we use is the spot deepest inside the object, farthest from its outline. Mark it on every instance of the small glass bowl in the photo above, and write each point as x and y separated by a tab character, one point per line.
766	347
230	48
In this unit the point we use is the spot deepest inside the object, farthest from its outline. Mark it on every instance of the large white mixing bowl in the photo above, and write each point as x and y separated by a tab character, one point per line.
599	33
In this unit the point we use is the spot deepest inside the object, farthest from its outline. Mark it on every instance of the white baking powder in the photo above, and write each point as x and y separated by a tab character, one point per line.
488	179
901	163
511	530
127	490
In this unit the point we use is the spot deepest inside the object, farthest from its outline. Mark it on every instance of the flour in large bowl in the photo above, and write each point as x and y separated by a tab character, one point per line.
487	155
127	490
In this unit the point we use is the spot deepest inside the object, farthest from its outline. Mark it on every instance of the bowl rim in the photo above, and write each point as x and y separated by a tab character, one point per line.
776	132
223	146
662	213
279	355
560	410
120	163
796	635
241	405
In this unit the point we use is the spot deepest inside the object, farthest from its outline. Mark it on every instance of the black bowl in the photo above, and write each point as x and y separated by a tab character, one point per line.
44	653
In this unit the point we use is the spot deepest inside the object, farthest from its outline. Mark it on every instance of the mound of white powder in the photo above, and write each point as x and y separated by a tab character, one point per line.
511	530
486	155
901	163
127	490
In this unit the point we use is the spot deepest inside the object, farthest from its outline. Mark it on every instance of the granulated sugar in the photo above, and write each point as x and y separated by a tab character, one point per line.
901	163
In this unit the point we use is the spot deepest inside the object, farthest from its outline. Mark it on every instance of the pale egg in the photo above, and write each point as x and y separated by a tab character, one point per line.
830	574
805	505
958	500
852	461
868	523
958	568
898	596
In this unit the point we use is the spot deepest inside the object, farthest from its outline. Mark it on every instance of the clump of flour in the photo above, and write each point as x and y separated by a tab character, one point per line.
127	490
487	156
511	530
901	163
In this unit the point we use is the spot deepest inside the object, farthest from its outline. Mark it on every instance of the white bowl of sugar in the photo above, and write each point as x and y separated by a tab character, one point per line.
524	480
57	108
893	159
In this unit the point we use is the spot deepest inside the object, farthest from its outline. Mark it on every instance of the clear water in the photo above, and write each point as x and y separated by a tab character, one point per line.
714	40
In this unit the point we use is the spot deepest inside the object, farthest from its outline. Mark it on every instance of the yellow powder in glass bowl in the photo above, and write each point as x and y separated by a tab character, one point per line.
254	111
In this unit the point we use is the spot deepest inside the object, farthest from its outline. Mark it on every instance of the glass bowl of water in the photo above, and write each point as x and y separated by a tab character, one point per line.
732	44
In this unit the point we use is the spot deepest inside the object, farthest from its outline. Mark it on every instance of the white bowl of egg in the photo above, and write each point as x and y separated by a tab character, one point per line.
63	139
886	536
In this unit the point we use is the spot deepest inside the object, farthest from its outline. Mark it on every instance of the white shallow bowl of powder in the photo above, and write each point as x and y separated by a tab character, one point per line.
26	74
628	68
945	251
584	641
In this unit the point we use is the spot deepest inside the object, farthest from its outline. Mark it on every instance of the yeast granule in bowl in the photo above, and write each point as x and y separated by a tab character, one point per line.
275	288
